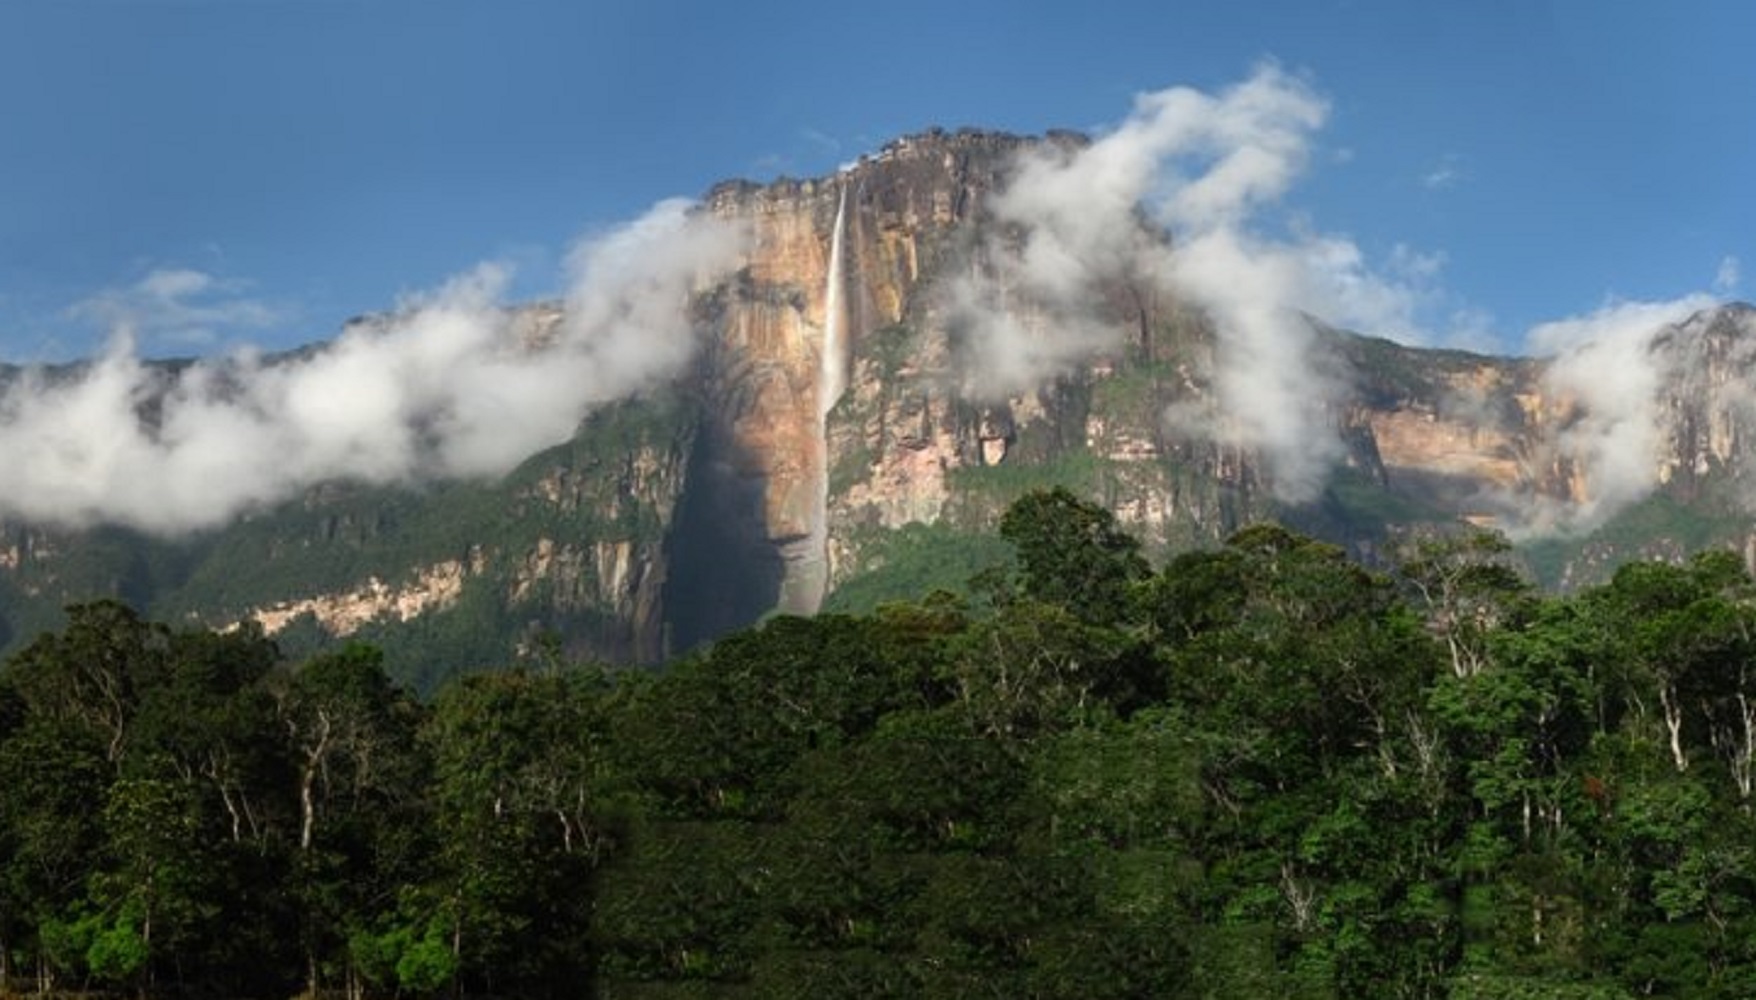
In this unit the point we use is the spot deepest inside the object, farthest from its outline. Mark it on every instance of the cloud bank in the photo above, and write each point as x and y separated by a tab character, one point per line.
1212	169
450	385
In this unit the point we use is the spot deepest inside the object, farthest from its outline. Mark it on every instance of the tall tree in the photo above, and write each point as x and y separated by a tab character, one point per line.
362	829
1071	552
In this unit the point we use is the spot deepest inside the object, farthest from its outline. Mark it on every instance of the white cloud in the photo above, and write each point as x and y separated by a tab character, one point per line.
1729	275
1472	328
1407	262
1443	176
1212	168
1202	165
1606	367
822	142
178	306
1337	283
447	386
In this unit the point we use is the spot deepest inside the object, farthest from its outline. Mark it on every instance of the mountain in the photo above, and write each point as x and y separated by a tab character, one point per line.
891	363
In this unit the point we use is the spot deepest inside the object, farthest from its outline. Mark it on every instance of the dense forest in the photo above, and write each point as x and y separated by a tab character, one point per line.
1260	770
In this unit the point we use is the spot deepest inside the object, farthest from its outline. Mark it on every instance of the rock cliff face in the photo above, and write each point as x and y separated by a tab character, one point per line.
576	543
832	261
905	442
832	411
1427	436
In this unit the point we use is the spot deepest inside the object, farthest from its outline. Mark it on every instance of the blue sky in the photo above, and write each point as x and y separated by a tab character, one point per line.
231	171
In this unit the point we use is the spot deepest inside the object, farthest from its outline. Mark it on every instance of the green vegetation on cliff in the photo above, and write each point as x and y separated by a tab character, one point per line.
616	481
913	560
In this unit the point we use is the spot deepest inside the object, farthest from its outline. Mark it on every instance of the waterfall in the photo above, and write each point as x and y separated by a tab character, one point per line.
834	357
812	569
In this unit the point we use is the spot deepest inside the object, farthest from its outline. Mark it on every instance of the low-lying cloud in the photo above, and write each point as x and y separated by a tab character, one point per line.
1608	371
451	384
1186	196
1211	169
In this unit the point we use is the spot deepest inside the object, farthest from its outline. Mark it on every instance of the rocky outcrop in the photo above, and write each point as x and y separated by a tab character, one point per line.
434	588
1708	404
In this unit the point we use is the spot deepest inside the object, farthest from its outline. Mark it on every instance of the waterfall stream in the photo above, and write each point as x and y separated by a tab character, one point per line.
831	383
834	357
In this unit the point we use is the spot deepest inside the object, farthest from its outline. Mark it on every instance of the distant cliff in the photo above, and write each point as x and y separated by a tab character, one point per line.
835	425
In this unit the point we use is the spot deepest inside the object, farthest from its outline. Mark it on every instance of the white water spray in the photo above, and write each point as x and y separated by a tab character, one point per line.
834	357
813	560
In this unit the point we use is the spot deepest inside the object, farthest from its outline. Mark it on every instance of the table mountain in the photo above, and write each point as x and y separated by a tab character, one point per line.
850	429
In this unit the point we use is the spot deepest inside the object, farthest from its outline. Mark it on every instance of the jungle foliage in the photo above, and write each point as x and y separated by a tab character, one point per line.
1255	771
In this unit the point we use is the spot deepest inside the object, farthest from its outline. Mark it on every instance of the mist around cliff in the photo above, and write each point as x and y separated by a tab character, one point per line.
444	386
1613	368
1188	195
1212	170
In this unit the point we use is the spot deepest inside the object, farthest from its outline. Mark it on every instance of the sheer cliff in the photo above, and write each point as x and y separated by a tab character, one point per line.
845	431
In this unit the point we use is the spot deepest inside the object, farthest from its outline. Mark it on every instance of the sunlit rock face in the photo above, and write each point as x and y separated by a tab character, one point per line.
770	448
747	486
911	439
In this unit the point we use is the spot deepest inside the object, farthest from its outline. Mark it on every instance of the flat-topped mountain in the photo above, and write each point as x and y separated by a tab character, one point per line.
894	358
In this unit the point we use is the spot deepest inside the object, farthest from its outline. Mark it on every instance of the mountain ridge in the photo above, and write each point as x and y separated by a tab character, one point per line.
731	488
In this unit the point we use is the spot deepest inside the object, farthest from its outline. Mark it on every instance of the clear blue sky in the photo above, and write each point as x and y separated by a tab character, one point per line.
271	167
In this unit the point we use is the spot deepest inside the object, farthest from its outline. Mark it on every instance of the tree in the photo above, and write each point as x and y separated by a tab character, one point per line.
519	770
1687	631
89	674
1466	585
361	828
73	697
1072	553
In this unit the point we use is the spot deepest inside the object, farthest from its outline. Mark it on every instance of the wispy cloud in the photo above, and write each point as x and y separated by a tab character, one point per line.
1728	276
1213	169
821	141
806	154
1446	174
178	306
1607	368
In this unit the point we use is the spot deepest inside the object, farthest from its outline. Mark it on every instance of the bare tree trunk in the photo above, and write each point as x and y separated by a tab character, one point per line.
308	780
1674	725
1300	897
146	937
1744	757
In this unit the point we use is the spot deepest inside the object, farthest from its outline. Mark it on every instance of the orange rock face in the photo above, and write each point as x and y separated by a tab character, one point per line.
1412	439
766	359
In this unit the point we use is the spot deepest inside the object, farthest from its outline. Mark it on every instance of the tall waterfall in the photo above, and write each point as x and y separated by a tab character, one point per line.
811	571
834	357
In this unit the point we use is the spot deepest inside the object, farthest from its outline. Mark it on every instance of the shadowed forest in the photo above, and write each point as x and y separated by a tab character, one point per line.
1260	770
